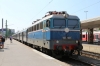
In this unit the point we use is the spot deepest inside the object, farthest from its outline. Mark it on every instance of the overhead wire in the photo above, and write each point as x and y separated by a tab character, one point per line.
87	6
75	4
1	11
42	9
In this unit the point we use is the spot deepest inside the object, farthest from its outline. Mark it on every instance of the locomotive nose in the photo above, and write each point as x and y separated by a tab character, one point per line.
59	48
66	30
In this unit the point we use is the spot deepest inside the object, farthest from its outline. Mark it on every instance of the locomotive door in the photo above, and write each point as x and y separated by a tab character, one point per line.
46	25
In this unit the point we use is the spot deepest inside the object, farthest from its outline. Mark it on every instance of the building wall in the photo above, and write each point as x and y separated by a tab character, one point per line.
4	31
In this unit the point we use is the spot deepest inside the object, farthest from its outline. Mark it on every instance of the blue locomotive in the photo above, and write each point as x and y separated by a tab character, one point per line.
56	33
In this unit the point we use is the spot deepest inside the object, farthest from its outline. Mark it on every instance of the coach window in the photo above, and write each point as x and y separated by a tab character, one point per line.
48	23
30	29
83	36
96	36
34	27
41	25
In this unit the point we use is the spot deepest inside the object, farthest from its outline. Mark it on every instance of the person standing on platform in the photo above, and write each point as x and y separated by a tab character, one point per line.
2	40
10	39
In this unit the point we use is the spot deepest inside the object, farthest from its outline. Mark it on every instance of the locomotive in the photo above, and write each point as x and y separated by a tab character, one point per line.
57	33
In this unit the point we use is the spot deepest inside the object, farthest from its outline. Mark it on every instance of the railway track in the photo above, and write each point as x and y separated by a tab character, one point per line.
91	55
74	61
86	63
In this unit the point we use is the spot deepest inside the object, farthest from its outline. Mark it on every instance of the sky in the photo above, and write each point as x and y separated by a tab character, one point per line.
21	13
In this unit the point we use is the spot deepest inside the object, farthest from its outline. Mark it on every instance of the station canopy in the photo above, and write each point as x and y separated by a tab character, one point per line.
90	23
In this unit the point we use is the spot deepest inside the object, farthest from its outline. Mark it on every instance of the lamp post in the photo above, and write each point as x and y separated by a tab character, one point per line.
87	29
86	13
2	27
7	29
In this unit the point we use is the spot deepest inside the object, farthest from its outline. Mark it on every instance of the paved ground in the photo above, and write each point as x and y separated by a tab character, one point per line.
91	48
18	54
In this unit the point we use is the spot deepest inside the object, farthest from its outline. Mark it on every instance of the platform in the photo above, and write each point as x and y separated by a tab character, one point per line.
91	48
18	54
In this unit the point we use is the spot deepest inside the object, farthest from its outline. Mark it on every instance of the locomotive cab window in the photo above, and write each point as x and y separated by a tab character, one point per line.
59	23
73	23
48	23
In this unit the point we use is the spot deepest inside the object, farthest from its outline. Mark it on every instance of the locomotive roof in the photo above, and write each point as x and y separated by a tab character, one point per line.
55	16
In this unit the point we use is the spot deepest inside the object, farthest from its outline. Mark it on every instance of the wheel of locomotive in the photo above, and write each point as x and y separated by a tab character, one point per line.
38	48
41	49
71	53
53	54
33	46
49	52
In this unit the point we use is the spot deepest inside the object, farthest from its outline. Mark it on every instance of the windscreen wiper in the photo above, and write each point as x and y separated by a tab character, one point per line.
61	26
75	25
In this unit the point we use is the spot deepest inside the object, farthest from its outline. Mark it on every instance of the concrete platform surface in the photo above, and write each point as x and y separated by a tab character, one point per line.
91	48
18	54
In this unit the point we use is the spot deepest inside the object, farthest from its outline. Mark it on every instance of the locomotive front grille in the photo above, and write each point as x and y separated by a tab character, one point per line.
64	42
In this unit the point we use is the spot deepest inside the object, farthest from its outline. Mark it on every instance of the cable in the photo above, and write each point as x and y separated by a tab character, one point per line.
75	4
42	9
1	11
87	6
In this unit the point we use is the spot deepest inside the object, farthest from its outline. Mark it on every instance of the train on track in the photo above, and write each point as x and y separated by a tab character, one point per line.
96	36
57	33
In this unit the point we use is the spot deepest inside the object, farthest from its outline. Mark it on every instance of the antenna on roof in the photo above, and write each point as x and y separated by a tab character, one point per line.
64	13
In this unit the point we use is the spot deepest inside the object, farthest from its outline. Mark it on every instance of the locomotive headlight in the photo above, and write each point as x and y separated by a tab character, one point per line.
66	30
76	41
57	41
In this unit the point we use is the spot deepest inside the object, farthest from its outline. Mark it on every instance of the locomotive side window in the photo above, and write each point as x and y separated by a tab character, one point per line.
37	26
41	25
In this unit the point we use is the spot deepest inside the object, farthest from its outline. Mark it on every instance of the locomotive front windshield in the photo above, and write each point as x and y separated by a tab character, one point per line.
73	23
59	23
